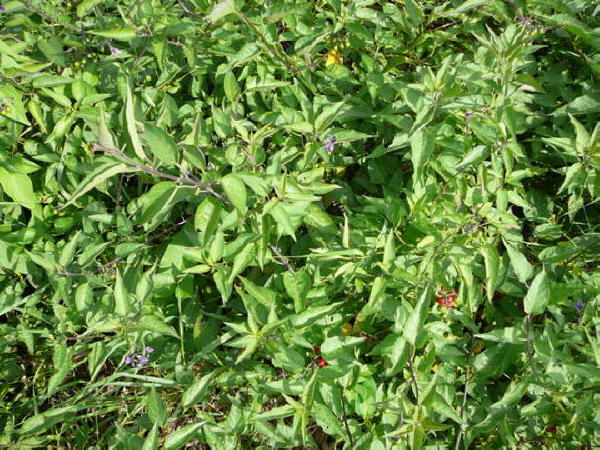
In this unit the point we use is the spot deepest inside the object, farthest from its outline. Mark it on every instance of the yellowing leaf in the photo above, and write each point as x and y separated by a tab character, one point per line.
334	57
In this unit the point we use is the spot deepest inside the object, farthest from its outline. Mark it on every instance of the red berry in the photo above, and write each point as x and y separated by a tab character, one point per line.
321	362
446	299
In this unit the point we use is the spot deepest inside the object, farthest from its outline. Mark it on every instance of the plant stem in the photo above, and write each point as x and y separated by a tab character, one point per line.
207	187
463	406
282	260
181	329
413	376
346	421
274	50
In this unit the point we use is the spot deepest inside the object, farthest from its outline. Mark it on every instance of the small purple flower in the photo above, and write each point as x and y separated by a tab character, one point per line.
142	360
2	7
136	360
330	143
149	349
115	51
579	305
468	114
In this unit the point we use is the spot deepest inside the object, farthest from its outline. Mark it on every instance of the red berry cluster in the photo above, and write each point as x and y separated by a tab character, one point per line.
320	361
445	298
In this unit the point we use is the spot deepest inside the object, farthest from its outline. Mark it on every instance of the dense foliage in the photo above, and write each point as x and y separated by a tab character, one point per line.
357	224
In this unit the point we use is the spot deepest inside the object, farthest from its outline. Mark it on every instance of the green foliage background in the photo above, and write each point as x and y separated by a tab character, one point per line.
164	183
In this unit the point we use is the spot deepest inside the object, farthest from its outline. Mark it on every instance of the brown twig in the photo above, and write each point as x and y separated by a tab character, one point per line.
206	187
282	260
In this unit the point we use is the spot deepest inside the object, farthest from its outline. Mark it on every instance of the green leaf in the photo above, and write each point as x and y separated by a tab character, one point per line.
157	410
508	335
389	252
236	192
120	34
538	294
104	137
587	371
151	441
122	303
222	123
414	11
47	80
34	108
132	125
328	420
475	156
422	145
279	412
327	116
586	104
416	320
221	10
181	436
231	86
206	219
463	8
86	6
196	391
63	364
223	285
43	421
337	345
99	174
523	269
157	202
297	286
150	322
492	262
161	144
18	186
282	218
559	253
84	295
314	314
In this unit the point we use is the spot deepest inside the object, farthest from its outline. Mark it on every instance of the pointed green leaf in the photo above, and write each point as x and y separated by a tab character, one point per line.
181	436
196	391
221	10
132	125
416	320
157	410
523	269
150	322
236	192
100	174
538	294
161	144
492	263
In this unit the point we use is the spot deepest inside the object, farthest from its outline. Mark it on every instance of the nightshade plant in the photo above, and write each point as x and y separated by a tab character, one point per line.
270	196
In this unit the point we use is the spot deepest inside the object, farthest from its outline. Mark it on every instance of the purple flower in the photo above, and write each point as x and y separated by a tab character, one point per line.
468	114
330	143
136	360
2	7
142	360
149	349
579	305
115	51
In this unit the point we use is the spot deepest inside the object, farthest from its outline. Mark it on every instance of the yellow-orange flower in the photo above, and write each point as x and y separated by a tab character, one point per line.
334	57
